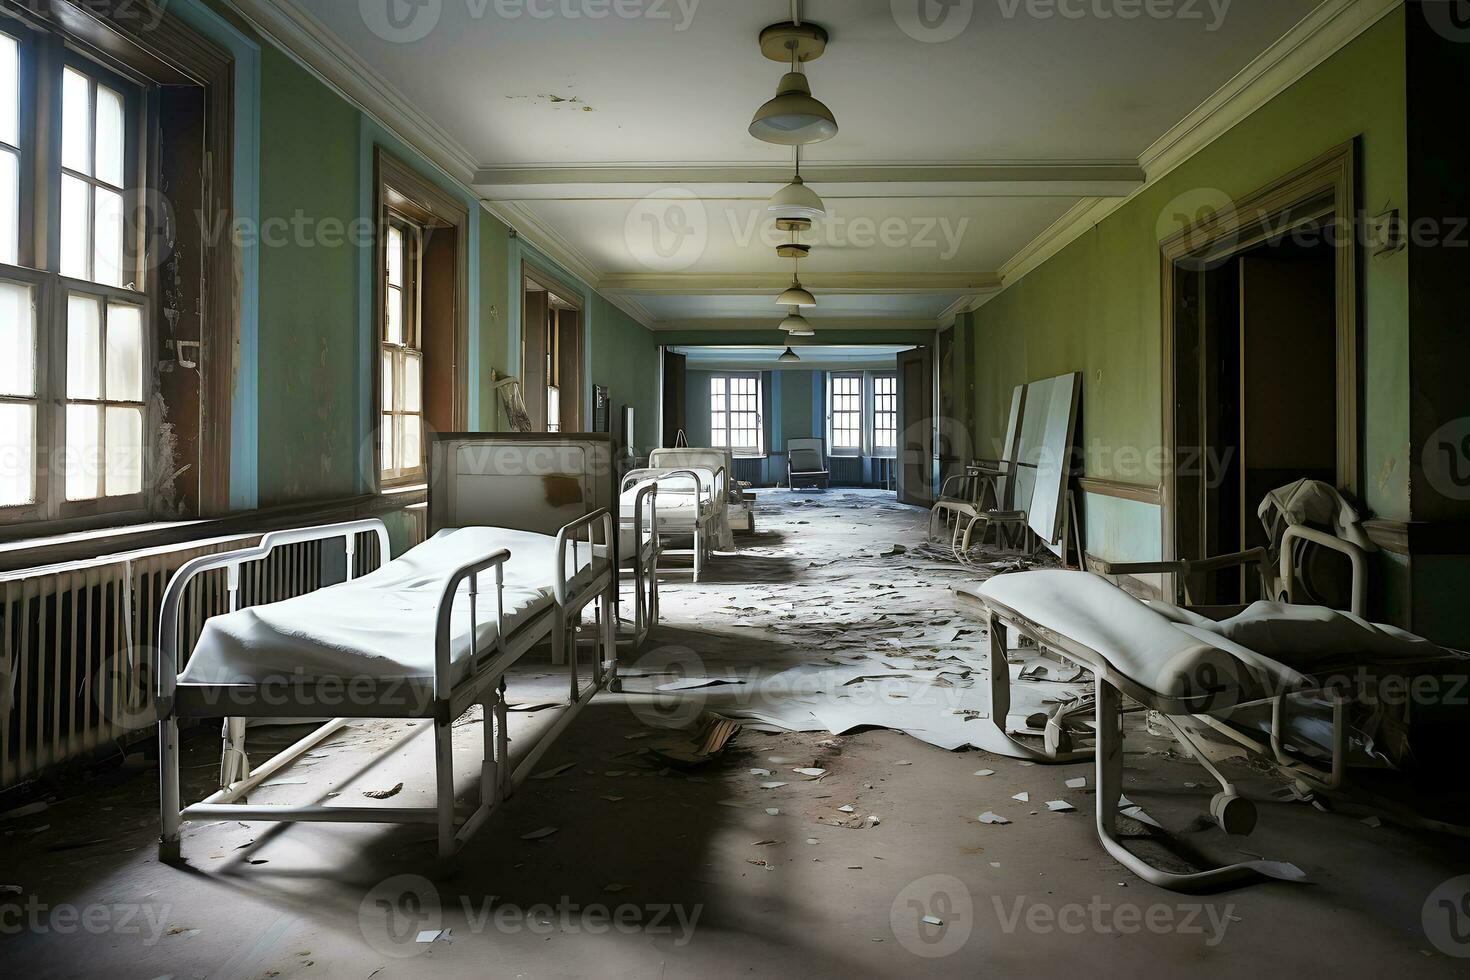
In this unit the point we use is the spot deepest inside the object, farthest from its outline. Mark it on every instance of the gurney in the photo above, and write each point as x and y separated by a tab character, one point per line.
1185	667
426	636
721	463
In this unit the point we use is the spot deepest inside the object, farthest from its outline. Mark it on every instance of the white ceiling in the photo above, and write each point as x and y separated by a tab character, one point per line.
591	133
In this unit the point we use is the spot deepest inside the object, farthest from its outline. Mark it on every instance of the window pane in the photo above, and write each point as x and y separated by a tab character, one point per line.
412	435
553	409
17	340
9	208
17	454
76	239
394	298
9	90
83	458
111	142
108	231
412	383
124	353
386	444
386	393
395	257
124	451
76	123
83	347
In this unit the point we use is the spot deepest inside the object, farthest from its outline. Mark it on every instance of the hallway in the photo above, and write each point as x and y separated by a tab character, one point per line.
721	869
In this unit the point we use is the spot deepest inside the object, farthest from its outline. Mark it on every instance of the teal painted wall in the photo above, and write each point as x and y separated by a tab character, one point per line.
309	319
308	369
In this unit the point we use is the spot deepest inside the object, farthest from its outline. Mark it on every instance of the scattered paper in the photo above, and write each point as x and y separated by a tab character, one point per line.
814	773
848	808
772	785
989	817
985	772
553	773
383	794
1022	797
1079	783
429	935
541	834
1060	806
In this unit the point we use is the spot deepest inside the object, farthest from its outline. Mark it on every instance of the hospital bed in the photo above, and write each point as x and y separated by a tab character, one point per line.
519	534
1272	678
686	506
720	462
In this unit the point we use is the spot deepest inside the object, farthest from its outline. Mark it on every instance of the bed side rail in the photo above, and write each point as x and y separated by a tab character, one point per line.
1355	555
705	492
601	518
173	595
443	620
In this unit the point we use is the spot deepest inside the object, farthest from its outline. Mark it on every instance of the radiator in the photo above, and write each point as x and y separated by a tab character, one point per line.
79	645
750	469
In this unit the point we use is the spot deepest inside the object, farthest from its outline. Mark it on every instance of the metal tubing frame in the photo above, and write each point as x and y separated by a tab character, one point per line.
484	684
698	527
1108	751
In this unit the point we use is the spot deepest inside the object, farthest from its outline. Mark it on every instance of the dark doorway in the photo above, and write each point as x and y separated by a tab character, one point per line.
1255	364
916	459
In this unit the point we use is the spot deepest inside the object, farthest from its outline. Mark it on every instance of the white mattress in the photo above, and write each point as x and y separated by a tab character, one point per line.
379	626
677	503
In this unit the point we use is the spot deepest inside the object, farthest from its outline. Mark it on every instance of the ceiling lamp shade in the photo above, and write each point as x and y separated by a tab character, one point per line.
797	296
796	200
795	323
789	357
793	117
806	331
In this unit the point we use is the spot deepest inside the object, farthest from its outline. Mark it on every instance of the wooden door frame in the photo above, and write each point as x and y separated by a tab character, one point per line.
574	297
1331	179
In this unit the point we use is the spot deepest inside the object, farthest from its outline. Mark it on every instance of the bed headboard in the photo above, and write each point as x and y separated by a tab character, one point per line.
710	459
528	481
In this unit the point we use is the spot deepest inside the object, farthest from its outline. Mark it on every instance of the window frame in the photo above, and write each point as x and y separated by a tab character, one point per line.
740	452
45	53
833	449
410	343
875	450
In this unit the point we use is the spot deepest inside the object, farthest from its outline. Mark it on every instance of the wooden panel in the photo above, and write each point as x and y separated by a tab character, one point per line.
439	296
533	357
916	427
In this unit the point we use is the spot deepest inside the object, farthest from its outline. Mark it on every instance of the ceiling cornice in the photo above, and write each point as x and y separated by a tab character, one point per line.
769	324
854	283
1321	34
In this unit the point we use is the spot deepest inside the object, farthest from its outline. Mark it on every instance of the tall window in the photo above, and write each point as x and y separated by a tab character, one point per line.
862	414
735	414
845	401
401	441
885	415
553	372
74	342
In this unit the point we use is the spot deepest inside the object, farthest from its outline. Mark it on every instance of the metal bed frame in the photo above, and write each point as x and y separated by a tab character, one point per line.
706	513
437	699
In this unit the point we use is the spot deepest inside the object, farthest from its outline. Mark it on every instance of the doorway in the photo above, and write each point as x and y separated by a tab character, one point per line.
551	355
1260	366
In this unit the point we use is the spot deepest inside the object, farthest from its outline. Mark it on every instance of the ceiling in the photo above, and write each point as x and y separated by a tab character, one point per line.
816	357
618	144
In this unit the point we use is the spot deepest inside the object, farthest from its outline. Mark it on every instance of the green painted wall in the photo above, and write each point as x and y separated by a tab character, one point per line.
1095	307
624	358
309	179
494	313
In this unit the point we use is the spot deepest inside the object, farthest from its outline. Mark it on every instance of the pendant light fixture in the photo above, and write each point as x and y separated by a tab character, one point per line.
790	357
794	117
796	295
797	202
796	324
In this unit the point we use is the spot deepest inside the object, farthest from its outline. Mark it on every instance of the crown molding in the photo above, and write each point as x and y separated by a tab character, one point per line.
769	324
313	45
734	284
1326	30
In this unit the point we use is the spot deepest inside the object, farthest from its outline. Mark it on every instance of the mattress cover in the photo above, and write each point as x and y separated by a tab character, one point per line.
382	625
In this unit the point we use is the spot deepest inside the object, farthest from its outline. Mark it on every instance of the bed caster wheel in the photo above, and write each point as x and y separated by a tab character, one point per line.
1235	815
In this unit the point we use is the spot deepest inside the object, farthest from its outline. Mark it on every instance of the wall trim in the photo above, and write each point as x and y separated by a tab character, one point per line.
1117	489
1325	31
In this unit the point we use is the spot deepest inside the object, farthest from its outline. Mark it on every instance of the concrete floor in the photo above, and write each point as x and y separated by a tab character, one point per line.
660	872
